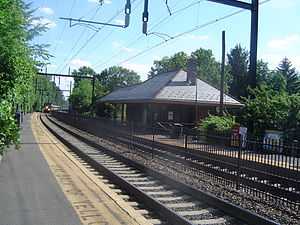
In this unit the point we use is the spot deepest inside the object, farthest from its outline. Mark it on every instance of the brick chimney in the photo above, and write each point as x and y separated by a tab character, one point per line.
192	71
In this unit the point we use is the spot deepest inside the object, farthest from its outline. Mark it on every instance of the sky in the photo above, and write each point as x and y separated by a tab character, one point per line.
79	45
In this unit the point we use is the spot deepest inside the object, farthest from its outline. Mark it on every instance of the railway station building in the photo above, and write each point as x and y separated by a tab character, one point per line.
168	97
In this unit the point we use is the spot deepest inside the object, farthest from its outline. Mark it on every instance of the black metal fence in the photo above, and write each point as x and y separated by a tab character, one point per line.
267	169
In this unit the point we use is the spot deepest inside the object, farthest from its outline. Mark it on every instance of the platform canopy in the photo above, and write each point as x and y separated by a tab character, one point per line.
171	87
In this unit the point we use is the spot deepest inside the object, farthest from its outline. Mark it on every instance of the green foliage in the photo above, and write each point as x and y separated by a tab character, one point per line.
81	97
175	62
9	131
263	73
46	92
18	61
82	71
208	69
292	126
290	75
277	82
116	77
222	124
268	110
238	62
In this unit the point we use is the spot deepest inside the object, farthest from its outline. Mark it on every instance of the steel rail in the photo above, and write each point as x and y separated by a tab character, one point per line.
225	206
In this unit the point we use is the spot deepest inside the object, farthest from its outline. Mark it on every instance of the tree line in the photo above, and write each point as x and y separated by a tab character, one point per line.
273	104
20	59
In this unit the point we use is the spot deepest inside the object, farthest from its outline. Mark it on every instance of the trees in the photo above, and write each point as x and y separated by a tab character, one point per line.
47	92
16	68
19	59
106	81
177	61
208	69
238	62
117	76
288	72
82	71
81	97
268	110
263	73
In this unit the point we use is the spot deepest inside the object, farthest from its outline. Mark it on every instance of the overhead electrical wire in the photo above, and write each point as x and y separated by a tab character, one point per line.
67	58
100	63
92	36
113	30
198	27
64	28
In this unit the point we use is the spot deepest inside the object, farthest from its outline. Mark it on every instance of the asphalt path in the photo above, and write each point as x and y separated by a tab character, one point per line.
29	193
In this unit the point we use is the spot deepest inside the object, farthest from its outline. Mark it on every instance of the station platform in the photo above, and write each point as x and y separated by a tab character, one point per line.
44	184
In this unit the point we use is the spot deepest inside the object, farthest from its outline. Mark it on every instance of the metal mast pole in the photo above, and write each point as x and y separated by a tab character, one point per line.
253	44
222	75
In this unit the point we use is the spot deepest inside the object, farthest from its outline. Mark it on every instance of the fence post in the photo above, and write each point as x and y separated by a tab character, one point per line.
239	163
185	144
153	138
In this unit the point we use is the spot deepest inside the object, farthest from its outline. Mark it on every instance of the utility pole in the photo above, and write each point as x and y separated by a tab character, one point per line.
222	75
254	8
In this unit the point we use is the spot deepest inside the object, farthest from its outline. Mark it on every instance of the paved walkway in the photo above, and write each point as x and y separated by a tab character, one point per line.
29	193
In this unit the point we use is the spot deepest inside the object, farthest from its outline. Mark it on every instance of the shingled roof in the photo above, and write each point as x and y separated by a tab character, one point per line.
170	87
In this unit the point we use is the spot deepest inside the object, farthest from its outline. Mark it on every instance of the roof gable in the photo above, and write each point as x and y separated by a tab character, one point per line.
143	91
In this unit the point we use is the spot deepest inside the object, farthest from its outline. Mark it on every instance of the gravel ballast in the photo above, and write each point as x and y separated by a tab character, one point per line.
205	182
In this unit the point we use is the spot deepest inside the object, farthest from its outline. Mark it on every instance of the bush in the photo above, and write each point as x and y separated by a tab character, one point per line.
9	131
218	124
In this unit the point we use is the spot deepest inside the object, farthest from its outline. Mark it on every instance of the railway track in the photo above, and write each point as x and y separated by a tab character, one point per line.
278	187
174	202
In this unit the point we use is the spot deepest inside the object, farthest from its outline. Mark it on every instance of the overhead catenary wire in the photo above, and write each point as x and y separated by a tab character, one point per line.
164	19
92	37
64	28
198	27
67	58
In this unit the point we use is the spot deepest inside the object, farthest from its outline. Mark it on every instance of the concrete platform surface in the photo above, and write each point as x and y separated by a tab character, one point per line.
29	193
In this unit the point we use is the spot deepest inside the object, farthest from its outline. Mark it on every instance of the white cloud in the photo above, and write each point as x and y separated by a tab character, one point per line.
285	42
196	37
157	57
120	46
77	63
141	69
107	1
274	59
46	10
45	22
99	1
119	22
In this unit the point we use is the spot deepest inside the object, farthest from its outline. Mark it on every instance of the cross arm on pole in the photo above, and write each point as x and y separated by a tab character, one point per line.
91	22
234	3
65	75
